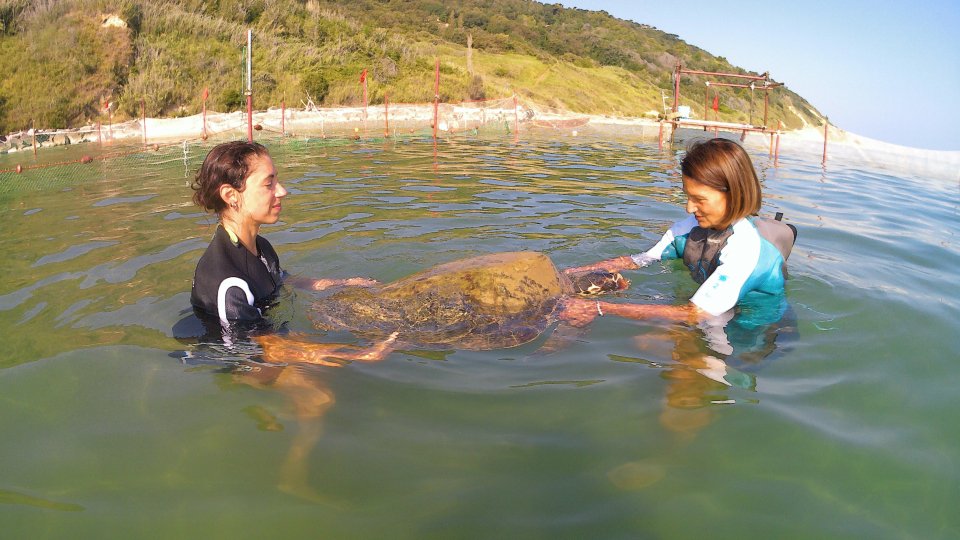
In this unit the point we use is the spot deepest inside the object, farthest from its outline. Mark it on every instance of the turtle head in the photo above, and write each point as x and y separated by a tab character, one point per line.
592	283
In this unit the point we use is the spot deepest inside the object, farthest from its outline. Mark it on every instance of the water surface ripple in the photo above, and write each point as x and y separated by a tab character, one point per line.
844	425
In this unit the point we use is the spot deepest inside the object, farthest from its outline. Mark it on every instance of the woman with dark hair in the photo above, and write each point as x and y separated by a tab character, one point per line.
730	252
238	278
239	274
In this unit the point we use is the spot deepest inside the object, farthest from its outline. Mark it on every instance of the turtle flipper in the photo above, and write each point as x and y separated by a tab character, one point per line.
562	336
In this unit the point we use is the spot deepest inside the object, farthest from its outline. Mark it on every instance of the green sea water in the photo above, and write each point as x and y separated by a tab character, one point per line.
844	423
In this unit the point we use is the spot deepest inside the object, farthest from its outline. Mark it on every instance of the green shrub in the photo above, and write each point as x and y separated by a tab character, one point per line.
315	85
233	100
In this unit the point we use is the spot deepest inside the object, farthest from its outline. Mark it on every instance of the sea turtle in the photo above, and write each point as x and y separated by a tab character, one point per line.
492	301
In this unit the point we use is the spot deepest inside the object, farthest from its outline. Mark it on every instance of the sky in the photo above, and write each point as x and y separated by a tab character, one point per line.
884	69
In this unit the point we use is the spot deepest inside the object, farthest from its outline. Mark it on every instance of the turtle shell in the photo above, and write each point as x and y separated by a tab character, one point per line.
487	302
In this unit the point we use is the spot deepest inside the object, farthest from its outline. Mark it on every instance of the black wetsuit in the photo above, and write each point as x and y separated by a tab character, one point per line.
232	284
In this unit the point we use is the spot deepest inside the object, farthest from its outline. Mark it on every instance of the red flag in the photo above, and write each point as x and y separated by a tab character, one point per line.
363	76
106	105
206	93
716	103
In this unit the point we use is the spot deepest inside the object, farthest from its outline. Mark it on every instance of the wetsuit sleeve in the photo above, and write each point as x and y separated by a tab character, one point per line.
235	301
671	244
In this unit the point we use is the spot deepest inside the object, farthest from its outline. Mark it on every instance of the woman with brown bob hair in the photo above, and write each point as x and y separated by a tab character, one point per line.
239	275
730	252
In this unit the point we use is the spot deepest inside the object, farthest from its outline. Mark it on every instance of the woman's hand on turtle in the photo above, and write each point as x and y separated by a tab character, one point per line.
579	311
323	284
611	266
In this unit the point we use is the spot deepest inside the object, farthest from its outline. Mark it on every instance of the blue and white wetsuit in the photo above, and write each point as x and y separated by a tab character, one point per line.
747	258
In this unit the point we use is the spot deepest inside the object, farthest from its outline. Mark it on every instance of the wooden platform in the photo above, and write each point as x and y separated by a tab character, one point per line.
726	126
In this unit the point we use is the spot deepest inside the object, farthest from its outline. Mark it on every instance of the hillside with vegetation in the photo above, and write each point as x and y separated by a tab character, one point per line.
62	60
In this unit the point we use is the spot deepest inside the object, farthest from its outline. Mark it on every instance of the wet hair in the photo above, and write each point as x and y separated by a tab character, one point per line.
227	163
725	166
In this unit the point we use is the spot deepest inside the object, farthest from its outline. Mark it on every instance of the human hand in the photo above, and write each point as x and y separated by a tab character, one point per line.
579	311
286	350
323	284
359	282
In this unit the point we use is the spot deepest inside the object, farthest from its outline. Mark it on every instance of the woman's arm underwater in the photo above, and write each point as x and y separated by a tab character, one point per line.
294	350
582	311
609	265
323	284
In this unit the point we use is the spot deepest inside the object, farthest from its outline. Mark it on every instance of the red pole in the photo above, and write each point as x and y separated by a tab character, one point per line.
826	126
436	99
249	116
386	115
99	134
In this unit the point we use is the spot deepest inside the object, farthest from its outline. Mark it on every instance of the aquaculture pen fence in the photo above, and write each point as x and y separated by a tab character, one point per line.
22	165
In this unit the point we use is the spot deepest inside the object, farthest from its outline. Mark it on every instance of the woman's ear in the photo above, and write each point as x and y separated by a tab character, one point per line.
230	195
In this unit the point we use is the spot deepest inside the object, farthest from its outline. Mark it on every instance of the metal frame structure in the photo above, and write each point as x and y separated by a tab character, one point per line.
765	84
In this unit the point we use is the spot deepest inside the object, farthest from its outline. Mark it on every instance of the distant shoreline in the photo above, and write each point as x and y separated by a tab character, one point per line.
402	119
